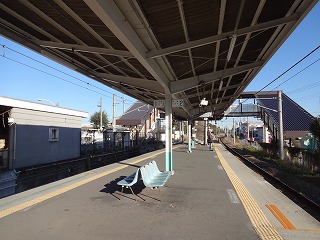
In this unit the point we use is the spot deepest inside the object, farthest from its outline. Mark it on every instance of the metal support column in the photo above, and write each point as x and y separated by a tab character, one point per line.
205	131
168	119
281	154
265	134
182	131
189	136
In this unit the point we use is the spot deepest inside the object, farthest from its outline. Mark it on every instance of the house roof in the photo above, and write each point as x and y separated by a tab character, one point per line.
135	115
146	49
7	103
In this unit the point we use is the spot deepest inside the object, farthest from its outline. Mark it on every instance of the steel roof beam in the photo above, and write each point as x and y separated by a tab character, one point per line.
222	36
104	43
82	48
182	85
213	91
247	37
111	16
61	28
29	40
220	26
186	34
205	109
151	85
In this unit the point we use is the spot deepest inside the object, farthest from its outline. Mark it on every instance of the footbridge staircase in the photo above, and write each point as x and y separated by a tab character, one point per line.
296	120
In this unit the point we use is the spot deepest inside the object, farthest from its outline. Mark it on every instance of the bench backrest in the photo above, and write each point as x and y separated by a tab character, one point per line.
154	167
145	173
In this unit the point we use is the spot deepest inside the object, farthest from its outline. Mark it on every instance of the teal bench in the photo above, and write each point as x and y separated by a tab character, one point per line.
150	175
129	181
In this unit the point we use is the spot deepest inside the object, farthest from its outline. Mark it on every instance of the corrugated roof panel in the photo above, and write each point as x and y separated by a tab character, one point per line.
274	9
201	18
158	37
257	42
181	64
230	18
16	22
248	13
203	58
136	64
164	19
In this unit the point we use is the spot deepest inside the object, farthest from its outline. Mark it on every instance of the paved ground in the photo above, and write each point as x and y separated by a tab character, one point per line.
199	202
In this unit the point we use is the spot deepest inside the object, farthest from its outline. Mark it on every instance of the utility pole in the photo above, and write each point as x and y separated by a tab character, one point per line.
248	136
281	154
114	113
123	103
234	132
100	113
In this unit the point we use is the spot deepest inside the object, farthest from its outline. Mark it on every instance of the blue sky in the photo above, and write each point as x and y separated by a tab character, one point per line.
302	83
45	79
70	89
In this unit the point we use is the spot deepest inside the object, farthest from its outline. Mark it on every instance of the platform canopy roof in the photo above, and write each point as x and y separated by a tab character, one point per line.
146	48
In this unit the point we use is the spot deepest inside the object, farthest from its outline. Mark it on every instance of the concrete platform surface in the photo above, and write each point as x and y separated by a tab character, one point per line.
204	199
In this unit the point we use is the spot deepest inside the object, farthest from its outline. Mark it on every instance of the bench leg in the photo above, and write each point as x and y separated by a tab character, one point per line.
160	193
135	196
152	188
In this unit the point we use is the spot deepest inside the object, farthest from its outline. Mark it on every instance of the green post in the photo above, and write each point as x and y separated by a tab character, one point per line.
168	119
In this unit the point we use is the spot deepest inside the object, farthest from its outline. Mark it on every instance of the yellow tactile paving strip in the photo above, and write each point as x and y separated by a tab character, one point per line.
259	221
57	192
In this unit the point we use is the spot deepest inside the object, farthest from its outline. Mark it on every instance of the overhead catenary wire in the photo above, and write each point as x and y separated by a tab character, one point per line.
286	71
297	74
35	60
50	74
289	68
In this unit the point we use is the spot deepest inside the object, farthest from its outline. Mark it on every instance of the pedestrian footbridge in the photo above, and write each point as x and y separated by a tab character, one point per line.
266	105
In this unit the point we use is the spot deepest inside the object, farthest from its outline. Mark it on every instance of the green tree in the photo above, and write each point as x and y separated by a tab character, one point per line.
95	119
175	125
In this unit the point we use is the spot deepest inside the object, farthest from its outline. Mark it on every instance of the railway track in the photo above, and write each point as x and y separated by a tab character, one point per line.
307	204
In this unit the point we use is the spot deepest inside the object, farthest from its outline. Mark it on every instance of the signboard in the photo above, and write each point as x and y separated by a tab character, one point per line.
158	103
177	103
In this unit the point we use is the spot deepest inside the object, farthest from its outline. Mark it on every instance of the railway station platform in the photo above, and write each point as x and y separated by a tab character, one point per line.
212	195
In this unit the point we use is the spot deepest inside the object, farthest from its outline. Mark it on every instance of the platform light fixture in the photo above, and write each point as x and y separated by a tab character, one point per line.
231	47
204	102
220	86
